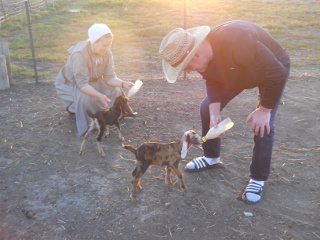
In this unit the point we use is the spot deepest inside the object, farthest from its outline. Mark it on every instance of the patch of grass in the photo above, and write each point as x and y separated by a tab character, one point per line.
21	72
301	35
140	25
20	21
301	45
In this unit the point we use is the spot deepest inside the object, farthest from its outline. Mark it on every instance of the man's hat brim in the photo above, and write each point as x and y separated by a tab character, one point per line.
173	73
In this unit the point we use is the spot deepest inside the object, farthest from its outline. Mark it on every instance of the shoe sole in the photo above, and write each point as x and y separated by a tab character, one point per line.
245	200
217	165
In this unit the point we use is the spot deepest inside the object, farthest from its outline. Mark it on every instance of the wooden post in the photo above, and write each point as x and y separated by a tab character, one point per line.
4	50
31	41
4	80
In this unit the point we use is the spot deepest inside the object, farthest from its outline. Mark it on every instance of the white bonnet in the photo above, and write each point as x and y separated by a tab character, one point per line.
98	30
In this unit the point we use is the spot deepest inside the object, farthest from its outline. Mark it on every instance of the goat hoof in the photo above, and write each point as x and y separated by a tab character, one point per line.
184	189
168	182
133	198
136	190
102	154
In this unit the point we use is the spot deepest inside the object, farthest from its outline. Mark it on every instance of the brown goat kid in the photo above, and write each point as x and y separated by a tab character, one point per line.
102	120
161	154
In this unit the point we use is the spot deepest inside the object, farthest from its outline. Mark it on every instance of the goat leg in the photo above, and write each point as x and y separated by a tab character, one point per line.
82	146
119	132
167	175
136	180
107	131
133	197
91	127
100	149
134	172
135	189
183	186
99	137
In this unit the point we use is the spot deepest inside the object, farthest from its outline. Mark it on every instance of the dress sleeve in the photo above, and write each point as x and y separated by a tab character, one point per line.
109	72
80	70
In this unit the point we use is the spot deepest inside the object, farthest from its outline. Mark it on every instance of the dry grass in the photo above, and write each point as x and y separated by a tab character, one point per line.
140	25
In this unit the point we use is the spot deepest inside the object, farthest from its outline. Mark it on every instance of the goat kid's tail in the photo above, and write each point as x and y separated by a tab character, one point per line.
130	148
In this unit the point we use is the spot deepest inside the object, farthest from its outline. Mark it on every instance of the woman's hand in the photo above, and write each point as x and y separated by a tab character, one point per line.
127	85
104	100
116	82
260	120
89	90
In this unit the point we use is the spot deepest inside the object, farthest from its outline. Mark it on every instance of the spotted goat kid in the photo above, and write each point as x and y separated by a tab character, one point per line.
161	154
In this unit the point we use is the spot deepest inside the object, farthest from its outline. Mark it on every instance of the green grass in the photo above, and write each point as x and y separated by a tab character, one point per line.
19	72
140	25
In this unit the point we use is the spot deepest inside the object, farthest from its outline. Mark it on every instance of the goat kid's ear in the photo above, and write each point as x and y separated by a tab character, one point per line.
184	149
188	138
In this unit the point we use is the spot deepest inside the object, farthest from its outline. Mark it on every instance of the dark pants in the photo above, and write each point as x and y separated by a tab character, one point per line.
262	150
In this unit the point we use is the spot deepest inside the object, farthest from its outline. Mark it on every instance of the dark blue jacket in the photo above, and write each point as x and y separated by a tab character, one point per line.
245	56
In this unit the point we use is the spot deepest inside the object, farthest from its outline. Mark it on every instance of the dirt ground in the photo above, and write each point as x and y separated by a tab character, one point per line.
48	191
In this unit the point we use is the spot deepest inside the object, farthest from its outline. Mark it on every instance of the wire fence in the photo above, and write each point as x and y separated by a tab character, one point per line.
12	8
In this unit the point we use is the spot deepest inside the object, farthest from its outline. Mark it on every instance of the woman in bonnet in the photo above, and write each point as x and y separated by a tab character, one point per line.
88	80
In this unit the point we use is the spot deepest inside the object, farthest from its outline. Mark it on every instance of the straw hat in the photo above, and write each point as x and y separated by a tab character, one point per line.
178	48
98	30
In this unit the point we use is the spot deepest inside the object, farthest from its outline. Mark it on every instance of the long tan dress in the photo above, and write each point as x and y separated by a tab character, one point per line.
81	69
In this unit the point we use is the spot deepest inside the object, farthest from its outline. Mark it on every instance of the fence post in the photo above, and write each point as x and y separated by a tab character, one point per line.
4	50
3	9
4	81
31	41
